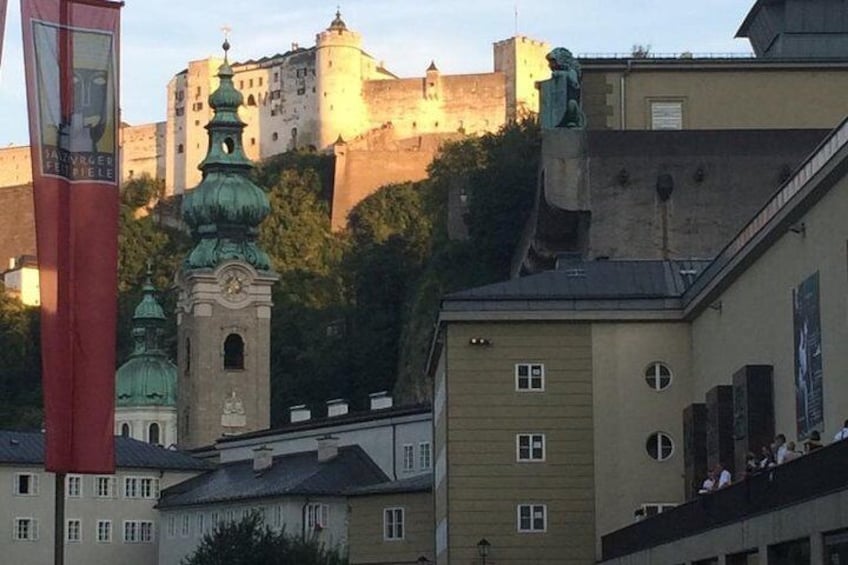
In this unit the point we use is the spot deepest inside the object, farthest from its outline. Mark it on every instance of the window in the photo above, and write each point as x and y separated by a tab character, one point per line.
275	136
214	519
317	516
141	487
104	531
201	524
138	531
26	484
658	376
172	526
530	376
233	353
131	487
251	100
179	112
153	434
667	115
125	430
251	83
185	528
73	531
393	523
659	446
187	356
73	486
424	458
530	447
231	516
260	81
278	516
654	508
180	148
26	529
104	487
408	457
532	518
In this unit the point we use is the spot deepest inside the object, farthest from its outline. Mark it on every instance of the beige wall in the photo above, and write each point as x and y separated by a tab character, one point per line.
719	97
627	411
484	414
366	535
15	166
755	322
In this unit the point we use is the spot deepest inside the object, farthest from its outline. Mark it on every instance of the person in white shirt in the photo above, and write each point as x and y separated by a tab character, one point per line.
724	478
780	448
843	433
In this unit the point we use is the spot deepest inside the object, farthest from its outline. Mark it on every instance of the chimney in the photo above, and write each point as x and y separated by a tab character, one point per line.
299	413
337	407
262	459
328	448
380	400
12	263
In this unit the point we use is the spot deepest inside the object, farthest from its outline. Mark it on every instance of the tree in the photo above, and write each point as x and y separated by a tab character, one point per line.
20	364
249	542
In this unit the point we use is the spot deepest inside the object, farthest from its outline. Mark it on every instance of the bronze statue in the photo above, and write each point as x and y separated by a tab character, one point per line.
560	100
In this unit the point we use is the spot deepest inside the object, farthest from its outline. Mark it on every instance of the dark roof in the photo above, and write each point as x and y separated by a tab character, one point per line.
590	280
350	418
752	13
418	483
27	448
292	474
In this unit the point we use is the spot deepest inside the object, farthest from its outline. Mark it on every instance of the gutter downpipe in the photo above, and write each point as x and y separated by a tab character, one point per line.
623	95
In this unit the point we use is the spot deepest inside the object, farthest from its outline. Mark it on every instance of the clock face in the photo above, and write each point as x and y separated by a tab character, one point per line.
234	285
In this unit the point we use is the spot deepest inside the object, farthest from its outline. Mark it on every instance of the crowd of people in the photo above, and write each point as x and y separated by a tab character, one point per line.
780	451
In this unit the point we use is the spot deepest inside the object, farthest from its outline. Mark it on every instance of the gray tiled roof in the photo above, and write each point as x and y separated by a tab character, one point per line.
292	474
418	483
618	280
27	448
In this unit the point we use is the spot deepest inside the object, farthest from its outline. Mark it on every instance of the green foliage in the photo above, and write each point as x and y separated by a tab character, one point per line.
250	542
20	364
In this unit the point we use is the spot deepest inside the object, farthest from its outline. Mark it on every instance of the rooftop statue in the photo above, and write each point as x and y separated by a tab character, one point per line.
560	95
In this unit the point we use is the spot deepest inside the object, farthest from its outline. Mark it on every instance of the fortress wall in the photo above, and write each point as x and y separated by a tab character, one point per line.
143	150
18	218
15	168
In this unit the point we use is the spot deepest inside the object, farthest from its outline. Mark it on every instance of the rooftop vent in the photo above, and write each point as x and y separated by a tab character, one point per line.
262	458
299	413
328	448
337	407
380	400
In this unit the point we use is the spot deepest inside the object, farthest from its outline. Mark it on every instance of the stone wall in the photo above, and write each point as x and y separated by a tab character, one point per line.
17	218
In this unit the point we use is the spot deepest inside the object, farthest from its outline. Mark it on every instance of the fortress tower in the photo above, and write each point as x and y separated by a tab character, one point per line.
339	75
224	306
522	61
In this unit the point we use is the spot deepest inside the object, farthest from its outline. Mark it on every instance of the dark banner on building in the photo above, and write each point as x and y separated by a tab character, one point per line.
808	357
71	62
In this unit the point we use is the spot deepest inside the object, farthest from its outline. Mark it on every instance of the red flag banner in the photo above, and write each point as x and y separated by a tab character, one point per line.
71	62
2	24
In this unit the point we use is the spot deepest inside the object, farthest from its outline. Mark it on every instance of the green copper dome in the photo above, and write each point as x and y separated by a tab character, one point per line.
148	378
224	211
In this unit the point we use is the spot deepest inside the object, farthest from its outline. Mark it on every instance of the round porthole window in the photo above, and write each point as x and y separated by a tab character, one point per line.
658	376
659	446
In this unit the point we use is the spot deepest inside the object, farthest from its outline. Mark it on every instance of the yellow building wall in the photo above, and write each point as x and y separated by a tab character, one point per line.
754	323
366	537
485	413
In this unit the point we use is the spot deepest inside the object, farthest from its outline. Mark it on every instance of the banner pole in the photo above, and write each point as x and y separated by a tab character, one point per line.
59	522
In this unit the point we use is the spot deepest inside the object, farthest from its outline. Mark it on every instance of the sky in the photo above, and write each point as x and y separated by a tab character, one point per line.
160	36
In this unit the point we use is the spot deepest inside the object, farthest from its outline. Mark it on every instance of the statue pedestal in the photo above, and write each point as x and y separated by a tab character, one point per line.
565	168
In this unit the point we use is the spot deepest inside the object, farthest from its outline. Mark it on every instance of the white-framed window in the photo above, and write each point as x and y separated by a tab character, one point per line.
317	516
425	458
26	484
131	487
73	530
408	457
104	531
658	376
214	519
530	377
73	486
185	525
201	524
530	447
26	529
231	515
278	516
104	486
141	487
138	531
532	518
659	446
393	524
172	526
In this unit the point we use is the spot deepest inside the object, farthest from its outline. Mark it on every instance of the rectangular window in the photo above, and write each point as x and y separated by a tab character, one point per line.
138	531
214	519
278	516
131	531
185	528
104	531
146	531
532	518
667	115
530	447
393	524
73	486
130	487
424	457
201	524
172	526
104	487
231	516
149	487
529	377
26	484
260	81
73	531
317	516
26	529
251	83
408	457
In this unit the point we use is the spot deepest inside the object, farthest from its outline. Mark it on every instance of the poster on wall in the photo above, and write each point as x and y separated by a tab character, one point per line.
808	357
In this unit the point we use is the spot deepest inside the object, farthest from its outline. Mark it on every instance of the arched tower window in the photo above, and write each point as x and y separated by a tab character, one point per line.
187	356
153	434
251	100
234	353
125	430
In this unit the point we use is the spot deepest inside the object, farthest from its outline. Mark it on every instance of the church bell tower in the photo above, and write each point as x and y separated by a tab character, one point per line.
224	306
